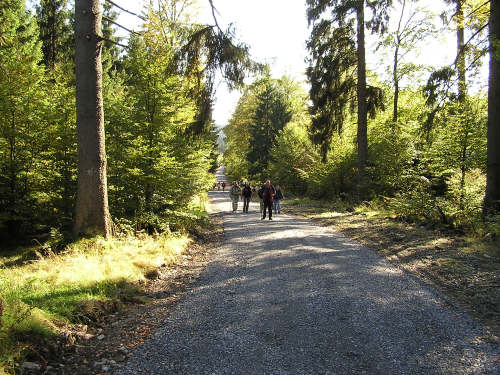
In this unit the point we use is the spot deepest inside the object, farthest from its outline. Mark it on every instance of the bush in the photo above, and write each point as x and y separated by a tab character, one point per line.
415	201
463	205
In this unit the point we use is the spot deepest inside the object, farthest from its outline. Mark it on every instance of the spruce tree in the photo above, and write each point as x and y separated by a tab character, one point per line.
55	31
347	20
91	214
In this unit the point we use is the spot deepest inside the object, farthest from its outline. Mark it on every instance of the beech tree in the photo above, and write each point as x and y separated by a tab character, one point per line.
91	215
414	25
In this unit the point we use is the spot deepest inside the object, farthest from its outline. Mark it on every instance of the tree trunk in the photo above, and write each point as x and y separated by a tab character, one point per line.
362	137
396	88
492	197
91	215
462	84
395	75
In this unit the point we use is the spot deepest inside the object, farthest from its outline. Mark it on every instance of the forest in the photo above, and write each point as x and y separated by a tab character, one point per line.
156	92
410	138
107	153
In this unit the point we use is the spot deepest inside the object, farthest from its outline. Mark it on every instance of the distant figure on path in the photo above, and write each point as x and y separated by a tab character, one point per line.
223	186
247	196
235	193
277	200
218	185
267	197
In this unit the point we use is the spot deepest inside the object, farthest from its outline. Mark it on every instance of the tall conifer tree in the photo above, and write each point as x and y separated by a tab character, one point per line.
91	215
349	17
55	31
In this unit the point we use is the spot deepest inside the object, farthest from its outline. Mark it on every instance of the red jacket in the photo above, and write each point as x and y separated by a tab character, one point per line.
268	193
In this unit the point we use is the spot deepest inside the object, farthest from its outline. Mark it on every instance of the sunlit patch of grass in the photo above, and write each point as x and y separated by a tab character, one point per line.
328	214
92	274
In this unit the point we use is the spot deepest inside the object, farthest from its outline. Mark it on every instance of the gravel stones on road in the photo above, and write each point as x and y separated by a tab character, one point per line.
288	297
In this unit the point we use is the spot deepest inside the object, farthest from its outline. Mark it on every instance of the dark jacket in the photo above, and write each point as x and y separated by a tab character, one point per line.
247	192
268	193
279	195
261	190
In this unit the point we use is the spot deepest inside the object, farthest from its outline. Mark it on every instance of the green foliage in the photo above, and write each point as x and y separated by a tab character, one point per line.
266	134
292	158
237	135
272	112
330	72
333	65
161	141
21	129
56	32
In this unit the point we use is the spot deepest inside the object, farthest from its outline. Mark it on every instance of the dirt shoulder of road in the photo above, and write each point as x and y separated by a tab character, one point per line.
466	270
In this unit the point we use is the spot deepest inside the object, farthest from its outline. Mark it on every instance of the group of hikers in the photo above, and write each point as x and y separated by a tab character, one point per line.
270	197
220	184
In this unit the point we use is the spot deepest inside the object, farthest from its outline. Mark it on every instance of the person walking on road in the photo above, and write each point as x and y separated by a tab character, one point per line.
235	193
267	198
223	186
277	200
261	203
247	196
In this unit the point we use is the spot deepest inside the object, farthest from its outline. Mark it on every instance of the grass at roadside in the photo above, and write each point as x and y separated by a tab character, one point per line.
91	277
45	293
465	268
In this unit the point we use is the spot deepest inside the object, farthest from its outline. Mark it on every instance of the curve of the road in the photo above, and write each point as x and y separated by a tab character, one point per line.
288	297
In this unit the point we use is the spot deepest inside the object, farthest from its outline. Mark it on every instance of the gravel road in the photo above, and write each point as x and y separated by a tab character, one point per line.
288	297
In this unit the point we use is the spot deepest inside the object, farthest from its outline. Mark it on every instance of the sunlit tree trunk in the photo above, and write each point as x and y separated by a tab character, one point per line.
462	85
492	197
362	137
91	216
395	74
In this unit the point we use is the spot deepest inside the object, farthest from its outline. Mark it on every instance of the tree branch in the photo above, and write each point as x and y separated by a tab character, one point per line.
125	10
213	14
462	49
117	24
114	42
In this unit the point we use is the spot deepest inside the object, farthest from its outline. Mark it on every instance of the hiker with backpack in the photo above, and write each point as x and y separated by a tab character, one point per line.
234	194
261	202
268	193
277	200
247	196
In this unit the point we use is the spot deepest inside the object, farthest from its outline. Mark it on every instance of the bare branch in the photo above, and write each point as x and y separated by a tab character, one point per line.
462	49
214	10
113	42
125	10
121	26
